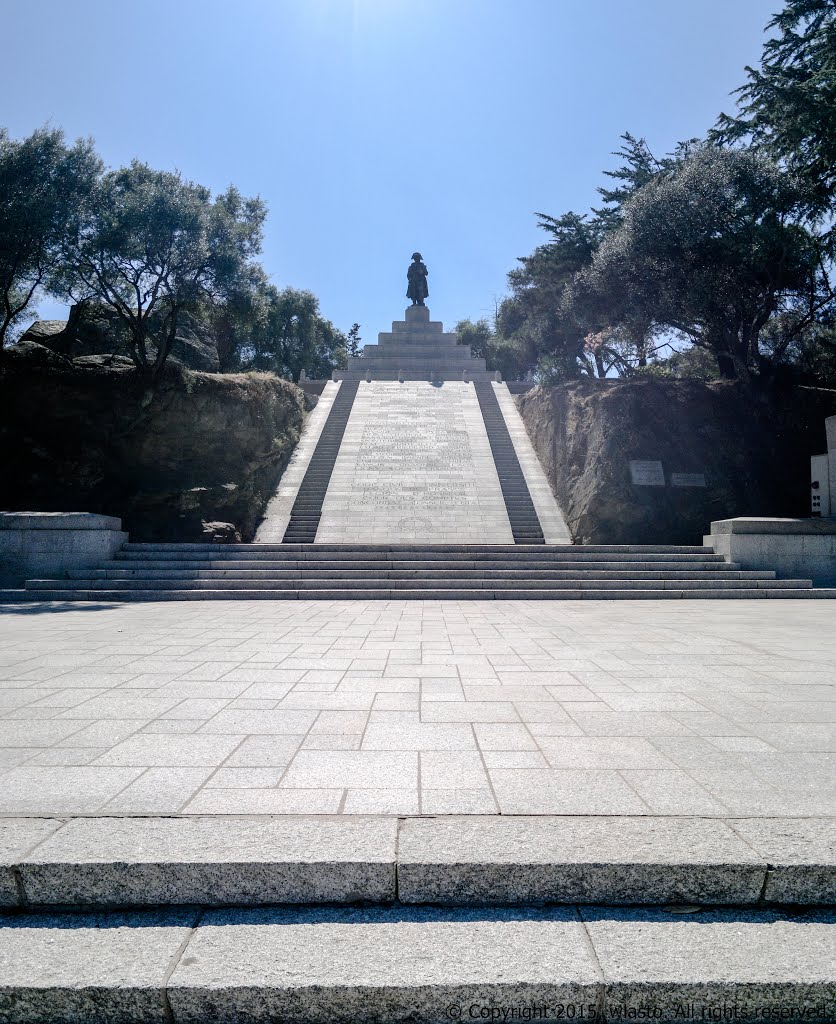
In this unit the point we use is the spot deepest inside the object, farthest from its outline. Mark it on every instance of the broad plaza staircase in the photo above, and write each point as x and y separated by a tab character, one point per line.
194	572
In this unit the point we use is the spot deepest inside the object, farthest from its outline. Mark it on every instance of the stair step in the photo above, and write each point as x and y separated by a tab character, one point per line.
88	863
64	593
382	965
532	553
684	549
430	574
304	583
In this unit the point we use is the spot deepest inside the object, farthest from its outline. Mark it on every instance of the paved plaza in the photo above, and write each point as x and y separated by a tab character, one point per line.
715	708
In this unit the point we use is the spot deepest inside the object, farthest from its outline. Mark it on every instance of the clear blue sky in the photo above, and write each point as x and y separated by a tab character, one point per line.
376	127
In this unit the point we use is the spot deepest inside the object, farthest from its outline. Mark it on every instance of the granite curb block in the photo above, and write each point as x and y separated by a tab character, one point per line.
418	964
453	861
576	860
136	862
725	964
801	854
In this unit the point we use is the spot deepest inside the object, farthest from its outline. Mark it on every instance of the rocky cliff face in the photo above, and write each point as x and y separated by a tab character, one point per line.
755	456
177	464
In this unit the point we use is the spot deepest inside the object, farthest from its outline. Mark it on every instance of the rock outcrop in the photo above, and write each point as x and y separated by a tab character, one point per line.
196	458
96	331
754	455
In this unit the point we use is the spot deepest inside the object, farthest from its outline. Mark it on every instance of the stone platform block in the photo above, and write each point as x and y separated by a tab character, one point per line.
792	547
714	965
801	854
52	543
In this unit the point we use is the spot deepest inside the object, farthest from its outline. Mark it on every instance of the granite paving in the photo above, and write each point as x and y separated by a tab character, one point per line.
723	709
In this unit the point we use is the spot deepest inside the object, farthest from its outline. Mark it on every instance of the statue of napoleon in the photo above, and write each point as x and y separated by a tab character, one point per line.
416	275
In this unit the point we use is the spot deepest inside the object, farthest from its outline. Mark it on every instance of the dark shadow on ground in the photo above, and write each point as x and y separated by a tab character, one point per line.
41	607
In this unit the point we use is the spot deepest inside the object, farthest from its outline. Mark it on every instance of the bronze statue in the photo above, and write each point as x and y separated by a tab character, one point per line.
416	275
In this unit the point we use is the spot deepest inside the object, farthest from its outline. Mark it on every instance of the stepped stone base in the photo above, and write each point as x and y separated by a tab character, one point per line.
416	348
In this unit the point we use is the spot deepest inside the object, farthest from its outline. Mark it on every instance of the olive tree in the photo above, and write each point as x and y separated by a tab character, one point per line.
43	185
152	246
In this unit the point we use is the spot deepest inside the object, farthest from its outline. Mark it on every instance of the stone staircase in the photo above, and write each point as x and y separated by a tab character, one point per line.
307	507
418	920
160	572
525	526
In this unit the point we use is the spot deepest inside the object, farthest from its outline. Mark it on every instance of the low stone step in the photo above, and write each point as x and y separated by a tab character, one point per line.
370	582
325	571
692	549
539	553
63	593
134	862
423	965
437	568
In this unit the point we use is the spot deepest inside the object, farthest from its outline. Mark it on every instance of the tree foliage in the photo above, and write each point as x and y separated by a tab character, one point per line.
43	185
153	246
787	107
712	250
281	330
722	245
485	341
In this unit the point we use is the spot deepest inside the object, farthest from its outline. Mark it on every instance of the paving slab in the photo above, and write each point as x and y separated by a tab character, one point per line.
347	965
714	965
570	860
598	695
138	862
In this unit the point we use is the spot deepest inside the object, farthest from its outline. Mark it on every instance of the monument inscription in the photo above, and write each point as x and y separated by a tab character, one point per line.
647	473
688	480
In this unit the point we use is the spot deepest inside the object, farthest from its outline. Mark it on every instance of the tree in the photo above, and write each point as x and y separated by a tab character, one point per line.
294	336
353	340
153	246
711	249
531	317
787	108
43	183
239	316
500	353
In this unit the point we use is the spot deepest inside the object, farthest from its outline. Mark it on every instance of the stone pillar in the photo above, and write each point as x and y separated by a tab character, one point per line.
830	427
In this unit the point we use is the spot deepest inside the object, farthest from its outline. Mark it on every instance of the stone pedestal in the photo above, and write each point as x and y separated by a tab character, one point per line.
49	544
